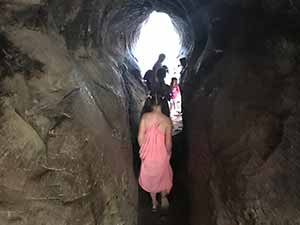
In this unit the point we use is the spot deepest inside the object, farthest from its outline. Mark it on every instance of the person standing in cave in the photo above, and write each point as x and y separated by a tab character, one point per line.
175	93
163	91
155	141
158	65
149	79
166	68
183	72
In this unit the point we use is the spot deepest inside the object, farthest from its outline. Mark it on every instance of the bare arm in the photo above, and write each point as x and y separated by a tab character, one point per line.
141	134
168	138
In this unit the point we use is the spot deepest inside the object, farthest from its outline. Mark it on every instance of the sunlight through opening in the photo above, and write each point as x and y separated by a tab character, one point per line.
158	35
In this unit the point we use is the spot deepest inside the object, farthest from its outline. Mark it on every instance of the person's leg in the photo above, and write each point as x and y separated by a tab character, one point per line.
174	106
154	200
164	200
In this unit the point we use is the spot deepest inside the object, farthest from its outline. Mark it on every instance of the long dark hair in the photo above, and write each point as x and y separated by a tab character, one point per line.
172	81
151	101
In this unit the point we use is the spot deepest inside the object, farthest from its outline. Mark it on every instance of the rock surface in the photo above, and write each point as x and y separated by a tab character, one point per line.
66	155
242	117
71	95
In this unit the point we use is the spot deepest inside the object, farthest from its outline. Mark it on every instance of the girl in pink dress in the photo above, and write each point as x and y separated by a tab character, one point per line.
155	140
175	91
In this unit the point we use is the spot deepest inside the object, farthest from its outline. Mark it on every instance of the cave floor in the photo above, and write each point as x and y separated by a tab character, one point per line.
177	214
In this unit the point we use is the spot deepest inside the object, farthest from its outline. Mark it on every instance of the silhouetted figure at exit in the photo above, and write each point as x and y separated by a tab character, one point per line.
158	65
149	79
163	90
166	68
183	72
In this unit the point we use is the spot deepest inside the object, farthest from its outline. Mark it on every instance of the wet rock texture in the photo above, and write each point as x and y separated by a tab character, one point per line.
243	116
65	140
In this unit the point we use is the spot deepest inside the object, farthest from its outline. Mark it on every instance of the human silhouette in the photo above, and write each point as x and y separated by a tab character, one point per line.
163	90
183	72
149	79
158	64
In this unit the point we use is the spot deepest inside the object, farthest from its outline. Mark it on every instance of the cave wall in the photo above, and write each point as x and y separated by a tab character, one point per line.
242	116
66	154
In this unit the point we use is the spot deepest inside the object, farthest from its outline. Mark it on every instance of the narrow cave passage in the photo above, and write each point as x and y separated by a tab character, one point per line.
159	35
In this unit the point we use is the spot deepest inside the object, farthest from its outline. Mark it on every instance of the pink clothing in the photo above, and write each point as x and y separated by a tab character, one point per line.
175	91
156	174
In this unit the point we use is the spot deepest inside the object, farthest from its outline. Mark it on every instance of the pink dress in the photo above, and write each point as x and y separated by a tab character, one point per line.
175	91
156	174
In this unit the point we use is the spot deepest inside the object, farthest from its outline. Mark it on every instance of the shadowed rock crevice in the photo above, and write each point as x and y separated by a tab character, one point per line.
239	142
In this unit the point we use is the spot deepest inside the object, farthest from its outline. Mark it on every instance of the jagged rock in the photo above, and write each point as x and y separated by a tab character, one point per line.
22	150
